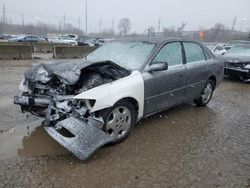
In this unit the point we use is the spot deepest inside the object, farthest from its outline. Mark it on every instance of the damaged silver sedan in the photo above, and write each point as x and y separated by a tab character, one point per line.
91	102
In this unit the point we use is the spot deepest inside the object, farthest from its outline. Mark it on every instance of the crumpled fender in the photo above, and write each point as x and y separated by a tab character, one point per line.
108	94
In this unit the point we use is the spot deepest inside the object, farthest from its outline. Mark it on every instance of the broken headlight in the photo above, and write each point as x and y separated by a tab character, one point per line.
24	86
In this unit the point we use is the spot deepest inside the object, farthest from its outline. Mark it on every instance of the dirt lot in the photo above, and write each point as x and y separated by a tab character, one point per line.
182	147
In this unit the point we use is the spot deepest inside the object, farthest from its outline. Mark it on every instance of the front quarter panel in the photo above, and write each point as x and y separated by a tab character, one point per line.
108	94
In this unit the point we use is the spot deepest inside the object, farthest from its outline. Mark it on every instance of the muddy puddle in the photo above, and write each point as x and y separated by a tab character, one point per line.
28	141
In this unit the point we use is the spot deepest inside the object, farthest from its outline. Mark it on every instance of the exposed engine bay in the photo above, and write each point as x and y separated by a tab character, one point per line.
48	89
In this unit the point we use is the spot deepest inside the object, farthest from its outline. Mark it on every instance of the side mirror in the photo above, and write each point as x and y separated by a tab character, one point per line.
157	66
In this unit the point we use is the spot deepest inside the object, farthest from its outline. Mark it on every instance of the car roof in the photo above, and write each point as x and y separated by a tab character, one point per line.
156	40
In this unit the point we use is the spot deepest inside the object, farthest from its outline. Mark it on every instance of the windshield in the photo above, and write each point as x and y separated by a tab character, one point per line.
130	55
239	50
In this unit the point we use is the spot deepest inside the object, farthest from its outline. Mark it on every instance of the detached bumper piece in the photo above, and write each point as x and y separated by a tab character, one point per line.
79	137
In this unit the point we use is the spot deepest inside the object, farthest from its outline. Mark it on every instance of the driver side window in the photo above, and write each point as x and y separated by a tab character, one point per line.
170	53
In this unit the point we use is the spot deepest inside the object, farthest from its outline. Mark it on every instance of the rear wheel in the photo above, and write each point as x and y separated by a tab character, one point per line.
119	120
206	94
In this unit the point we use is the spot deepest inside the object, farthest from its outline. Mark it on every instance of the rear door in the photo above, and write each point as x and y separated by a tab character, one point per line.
197	68
164	89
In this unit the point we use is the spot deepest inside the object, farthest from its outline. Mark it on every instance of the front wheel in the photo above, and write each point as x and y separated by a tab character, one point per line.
119	120
206	94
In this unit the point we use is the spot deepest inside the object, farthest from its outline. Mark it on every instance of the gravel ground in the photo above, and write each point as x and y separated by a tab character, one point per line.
182	147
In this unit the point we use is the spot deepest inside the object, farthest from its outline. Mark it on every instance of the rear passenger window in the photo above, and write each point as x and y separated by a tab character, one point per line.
170	53
193	52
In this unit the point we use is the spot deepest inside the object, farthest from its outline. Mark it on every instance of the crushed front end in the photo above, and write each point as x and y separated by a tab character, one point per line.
48	91
239	70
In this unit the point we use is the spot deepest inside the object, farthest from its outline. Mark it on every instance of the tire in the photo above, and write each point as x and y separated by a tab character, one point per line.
206	94
120	126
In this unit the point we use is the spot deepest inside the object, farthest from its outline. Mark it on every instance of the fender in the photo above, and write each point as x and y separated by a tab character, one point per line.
108	94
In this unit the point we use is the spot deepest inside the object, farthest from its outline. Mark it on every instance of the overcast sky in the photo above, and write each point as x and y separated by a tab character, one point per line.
142	13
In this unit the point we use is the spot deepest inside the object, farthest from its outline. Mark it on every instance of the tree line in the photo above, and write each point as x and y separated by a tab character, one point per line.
218	33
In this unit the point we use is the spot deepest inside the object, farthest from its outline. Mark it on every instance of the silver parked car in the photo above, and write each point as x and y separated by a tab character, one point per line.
28	38
91	102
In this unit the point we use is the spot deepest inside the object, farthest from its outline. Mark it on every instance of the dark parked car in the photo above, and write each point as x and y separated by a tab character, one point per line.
88	103
28	38
237	62
89	41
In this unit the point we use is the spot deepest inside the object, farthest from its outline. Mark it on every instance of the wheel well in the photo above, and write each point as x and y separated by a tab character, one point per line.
133	102
213	78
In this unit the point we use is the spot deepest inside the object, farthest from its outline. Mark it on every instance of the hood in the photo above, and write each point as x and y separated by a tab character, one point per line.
236	59
68	71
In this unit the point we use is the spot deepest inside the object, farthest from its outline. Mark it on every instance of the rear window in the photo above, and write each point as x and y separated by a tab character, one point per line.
194	52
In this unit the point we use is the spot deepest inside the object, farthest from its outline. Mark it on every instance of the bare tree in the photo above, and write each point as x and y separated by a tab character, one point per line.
124	26
38	29
181	29
169	32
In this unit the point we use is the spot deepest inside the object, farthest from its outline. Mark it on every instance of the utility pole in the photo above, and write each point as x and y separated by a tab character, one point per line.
113	26
234	22
79	22
4	14
60	26
100	25
22	20
159	25
64	22
23	23
86	16
242	20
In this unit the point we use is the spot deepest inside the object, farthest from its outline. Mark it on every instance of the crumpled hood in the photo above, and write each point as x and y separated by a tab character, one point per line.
68	71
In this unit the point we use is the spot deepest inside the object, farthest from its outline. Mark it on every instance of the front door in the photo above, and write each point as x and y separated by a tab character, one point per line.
166	88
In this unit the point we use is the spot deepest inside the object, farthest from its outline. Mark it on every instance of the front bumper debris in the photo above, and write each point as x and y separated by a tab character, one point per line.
32	101
79	137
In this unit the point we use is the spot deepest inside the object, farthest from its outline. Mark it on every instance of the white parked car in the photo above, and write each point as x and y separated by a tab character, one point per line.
73	36
63	39
217	49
